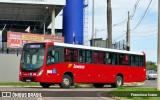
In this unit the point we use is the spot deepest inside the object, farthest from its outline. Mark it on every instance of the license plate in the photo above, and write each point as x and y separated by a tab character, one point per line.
28	80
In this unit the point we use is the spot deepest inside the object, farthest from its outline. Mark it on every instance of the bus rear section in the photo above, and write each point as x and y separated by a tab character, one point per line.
65	64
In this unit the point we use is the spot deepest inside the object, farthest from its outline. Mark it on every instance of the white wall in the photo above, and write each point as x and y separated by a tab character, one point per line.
9	67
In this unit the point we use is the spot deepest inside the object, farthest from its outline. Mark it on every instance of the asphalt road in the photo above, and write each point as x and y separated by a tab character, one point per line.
150	83
56	93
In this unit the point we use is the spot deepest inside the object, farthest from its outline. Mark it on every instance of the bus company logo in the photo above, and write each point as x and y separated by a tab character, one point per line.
78	66
70	65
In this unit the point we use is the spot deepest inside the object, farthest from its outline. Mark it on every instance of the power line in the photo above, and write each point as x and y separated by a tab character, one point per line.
120	23
135	8
148	31
145	35
142	16
119	36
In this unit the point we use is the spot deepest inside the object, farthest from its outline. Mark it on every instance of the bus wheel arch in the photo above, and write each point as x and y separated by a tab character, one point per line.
67	80
119	81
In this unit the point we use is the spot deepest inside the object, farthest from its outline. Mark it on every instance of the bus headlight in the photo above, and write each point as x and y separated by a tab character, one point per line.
40	73
20	74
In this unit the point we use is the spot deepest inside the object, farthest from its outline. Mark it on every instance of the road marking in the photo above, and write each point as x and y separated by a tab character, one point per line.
106	98
39	98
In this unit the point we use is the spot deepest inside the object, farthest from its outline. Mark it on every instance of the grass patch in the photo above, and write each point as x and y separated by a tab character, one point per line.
135	93
19	84
79	85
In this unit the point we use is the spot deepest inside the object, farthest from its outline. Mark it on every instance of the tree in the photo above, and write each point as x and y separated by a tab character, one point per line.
151	65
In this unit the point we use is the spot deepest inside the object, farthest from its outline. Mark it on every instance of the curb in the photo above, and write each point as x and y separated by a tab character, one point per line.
134	83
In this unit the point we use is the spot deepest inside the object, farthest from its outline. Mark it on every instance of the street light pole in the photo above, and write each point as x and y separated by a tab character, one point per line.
158	50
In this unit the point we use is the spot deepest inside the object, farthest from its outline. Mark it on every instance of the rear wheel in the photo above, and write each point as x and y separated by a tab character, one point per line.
118	83
45	85
98	85
66	82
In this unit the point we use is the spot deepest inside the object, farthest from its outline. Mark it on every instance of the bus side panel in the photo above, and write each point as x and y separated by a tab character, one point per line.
104	74
92	73
83	73
138	74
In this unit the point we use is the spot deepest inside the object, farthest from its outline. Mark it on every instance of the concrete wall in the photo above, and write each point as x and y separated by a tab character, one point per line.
9	67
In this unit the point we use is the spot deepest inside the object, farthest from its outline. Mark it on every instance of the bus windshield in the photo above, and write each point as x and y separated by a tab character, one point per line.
32	57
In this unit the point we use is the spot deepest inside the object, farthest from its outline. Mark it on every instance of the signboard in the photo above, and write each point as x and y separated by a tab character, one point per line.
17	39
43	2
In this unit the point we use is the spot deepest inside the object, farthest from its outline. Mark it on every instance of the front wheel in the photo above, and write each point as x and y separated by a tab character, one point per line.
45	85
66	82
118	83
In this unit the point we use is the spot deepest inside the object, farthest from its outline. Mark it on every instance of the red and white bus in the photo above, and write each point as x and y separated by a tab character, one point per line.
65	64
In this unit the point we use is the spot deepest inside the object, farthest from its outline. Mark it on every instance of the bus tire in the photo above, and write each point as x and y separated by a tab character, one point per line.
98	85
118	83
66	82
45	85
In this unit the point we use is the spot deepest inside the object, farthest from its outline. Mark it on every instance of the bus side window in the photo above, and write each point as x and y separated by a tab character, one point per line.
133	60
56	56
88	56
138	61
75	55
107	59
71	55
101	57
52	55
141	61
80	56
123	59
67	54
95	55
113	58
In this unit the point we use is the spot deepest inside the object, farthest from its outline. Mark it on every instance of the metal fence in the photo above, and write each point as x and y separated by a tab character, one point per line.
11	51
121	45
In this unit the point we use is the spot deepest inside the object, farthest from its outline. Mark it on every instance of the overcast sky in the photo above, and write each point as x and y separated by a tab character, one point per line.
143	38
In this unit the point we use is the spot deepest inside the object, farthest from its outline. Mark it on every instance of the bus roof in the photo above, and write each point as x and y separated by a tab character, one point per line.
96	48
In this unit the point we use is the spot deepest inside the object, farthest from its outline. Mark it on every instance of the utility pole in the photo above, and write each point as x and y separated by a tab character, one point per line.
109	24
92	40
128	33
158	50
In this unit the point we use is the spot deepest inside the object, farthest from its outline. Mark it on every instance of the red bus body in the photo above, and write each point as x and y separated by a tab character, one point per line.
83	72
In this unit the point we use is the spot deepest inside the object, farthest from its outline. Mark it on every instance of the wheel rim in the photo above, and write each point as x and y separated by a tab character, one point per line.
119	81
66	81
